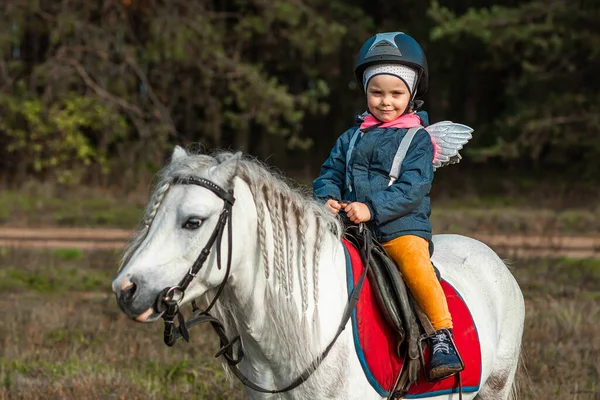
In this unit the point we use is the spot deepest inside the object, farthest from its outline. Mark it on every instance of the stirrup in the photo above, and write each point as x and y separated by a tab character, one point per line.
426	370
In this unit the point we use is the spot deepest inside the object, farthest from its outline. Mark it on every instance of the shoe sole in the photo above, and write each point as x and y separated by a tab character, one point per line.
443	372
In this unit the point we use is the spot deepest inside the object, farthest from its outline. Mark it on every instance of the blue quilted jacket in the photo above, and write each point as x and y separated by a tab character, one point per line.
400	209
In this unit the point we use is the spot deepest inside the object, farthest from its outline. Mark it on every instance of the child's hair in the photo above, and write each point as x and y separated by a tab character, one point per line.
393	53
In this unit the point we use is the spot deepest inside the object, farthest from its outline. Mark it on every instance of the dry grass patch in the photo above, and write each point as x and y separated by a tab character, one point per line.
62	340
82	347
562	325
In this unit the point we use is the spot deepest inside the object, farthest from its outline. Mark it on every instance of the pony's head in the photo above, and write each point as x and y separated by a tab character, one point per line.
179	221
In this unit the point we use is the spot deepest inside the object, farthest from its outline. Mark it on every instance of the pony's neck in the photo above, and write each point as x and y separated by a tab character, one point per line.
286	312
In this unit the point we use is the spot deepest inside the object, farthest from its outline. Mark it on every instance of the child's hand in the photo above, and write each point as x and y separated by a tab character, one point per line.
333	206
358	212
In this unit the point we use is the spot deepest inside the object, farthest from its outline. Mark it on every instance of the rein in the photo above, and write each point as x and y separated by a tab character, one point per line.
169	298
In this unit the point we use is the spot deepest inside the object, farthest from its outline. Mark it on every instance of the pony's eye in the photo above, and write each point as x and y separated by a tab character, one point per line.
192	223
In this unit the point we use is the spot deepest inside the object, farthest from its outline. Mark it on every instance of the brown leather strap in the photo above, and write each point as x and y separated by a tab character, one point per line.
402	383
429	330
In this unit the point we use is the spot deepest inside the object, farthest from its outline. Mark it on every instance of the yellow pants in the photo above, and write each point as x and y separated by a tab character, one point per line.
411	254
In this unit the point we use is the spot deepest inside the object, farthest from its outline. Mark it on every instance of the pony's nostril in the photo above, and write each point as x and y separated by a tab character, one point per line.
128	292
125	283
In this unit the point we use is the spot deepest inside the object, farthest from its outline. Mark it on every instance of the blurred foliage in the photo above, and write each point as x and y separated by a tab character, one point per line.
51	138
113	83
103	89
540	61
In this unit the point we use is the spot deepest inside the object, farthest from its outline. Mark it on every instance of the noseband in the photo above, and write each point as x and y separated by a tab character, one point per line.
169	298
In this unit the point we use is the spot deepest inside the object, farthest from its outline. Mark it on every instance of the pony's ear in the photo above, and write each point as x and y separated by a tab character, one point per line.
226	170
178	153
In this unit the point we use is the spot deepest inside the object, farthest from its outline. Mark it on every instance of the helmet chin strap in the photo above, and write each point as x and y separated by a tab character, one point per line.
414	105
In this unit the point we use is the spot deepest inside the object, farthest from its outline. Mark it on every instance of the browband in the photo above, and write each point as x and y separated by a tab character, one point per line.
205	183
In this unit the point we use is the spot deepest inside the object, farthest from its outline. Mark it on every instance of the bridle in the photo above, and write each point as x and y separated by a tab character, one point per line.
169	298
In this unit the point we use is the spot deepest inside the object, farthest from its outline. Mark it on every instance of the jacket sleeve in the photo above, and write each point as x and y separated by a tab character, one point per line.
331	180
413	184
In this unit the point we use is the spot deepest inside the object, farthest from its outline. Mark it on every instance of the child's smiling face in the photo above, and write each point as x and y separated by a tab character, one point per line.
387	97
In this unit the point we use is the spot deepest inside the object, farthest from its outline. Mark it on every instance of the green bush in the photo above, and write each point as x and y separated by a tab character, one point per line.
59	140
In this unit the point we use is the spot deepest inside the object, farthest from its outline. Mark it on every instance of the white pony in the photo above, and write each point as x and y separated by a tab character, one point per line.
287	289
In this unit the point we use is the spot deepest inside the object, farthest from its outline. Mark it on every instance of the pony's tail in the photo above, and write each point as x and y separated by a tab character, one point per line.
514	392
522	379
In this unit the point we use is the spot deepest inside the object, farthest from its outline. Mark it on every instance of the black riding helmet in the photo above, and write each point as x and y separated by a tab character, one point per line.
396	48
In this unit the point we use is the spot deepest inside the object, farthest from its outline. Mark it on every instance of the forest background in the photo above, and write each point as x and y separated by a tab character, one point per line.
99	92
94	95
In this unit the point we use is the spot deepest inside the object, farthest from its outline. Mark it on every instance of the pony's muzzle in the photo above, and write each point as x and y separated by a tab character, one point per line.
125	291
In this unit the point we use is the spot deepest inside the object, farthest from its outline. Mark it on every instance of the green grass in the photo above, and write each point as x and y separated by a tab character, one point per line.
451	218
560	278
49	206
56	271
53	279
150	379
68	254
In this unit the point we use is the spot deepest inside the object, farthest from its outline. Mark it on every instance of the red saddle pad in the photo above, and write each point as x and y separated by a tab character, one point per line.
375	343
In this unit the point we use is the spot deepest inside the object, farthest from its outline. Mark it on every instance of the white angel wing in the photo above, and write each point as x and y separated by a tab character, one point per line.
448	138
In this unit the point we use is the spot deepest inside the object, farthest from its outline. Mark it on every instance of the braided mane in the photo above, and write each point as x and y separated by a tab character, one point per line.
291	231
289	211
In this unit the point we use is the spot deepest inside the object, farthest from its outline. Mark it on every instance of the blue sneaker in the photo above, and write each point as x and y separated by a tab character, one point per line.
444	359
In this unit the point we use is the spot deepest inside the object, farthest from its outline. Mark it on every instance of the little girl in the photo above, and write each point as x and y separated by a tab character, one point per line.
391	69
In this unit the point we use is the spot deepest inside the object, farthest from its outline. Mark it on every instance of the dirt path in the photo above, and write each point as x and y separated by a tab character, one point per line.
543	246
73	238
101	238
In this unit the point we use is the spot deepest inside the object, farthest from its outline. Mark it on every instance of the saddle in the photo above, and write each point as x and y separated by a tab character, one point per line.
398	307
